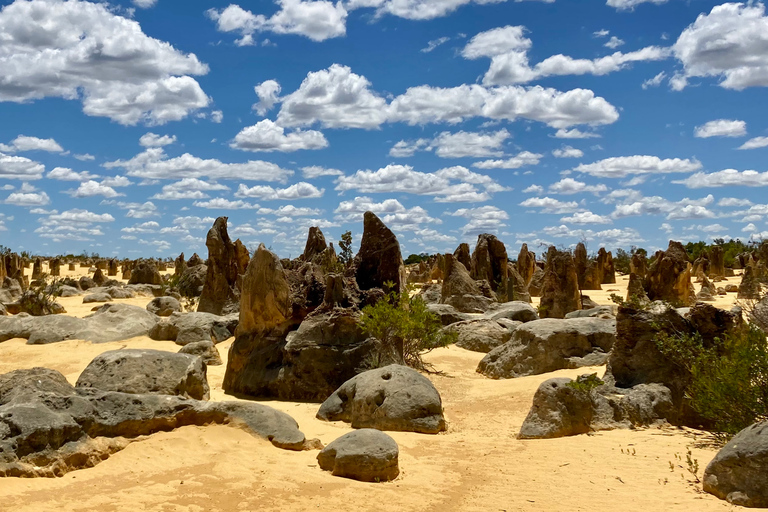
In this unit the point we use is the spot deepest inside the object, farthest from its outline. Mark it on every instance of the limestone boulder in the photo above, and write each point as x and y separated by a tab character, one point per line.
164	306
482	334
379	259
220	294
560	290
368	455
205	350
669	277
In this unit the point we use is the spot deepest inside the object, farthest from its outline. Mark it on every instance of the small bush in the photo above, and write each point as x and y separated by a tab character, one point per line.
586	383
405	330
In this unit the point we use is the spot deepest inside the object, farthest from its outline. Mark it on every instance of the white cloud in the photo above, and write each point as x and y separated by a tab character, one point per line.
289	210
153	140
66	174
469	144
550	205
144	227
93	188
726	178
721	128
155	164
570	186
586	218
574	133
144	4
655	81
28	199
522	159
267	136
24	143
568	152
83	51
431	45
614	42
20	168
317	20
622	166
628	5
135	210
221	203
405	148
734	201
485	219
268	93
193	222
601	33
754	143
391	212
729	42
686	208
534	189
85	157
188	188
508	49
315	171
301	190
116	181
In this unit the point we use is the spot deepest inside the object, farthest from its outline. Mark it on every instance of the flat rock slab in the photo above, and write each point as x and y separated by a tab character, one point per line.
184	328
367	455
483	334
391	398
141	371
97	297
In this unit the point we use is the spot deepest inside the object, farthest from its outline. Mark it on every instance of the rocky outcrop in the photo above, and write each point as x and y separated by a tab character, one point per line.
560	290
206	350
144	371
48	427
460	290
605	266
112	267
537	282
220	294
749	288
185	328
463	256
517	289
489	262
164	306
367	455
54	267
547	345
179	265
737	473
37	269
379	260
669	277
526	264
638	265
192	281
716	262
315	245
144	272
391	398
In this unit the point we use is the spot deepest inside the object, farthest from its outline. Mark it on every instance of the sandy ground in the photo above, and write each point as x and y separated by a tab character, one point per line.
478	464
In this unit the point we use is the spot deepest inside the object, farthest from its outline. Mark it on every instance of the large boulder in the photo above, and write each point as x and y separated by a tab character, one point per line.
205	350
116	322
367	455
460	290
391	398
144	371
220	294
143	273
482	334
669	277
192	281
379	260
517	289
550	344
738	471
164	306
515	310
185	328
560	291
489	262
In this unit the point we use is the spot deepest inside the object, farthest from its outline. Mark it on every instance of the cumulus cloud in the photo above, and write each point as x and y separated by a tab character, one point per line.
456	145
730	43
221	203
574	133
144	4
507	47
153	140
721	128
655	81
20	168
267	136
484	219
25	143
188	188
568	186
83	51
154	164
628	5
93	188
587	218
28	199
66	174
391	212
726	178
316	171
431	45
622	166
407	148
613	43
522	159
635	204
268	93
550	205
755	143
301	190
317	20
568	152
534	189
85	157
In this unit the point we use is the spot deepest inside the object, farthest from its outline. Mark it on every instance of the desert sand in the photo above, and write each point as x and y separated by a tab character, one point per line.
477	464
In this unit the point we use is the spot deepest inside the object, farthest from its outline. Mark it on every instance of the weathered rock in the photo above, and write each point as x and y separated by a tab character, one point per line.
517	289
749	288
185	328
10	290
605	264
638	265
604	312
144	371
560	292
526	264
580	260
489	262
593	276
462	255
145	273
116	322
204	349
97	297
37	269
431	293
50	428
112	267
448	314
515	310
367	455
164	306
54	267
315	245
118	292
707	292
460	290
537	282
391	398
669	277
179	265
551	344
482	334
731	288
636	291
738	471
379	260
192	281
716	262
220	294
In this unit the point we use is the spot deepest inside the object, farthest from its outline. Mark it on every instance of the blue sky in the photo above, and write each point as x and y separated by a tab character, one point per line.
127	127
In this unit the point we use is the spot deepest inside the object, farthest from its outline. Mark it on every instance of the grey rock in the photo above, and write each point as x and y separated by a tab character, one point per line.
482	334
184	328
391	398
367	455
550	344
164	306
516	310
69	291
605	312
469	303
116	322
204	349
448	314
144	371
119	292
738	471
97	297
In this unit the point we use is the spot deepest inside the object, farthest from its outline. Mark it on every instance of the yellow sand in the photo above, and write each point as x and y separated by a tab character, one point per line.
478	464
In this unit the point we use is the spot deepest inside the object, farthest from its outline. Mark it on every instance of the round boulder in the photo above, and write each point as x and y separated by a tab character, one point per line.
164	306
205	349
367	455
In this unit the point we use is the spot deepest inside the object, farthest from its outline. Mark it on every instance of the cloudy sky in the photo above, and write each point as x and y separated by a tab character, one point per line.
127	127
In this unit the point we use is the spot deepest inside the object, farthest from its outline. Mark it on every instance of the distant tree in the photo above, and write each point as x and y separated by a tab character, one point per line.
416	258
345	244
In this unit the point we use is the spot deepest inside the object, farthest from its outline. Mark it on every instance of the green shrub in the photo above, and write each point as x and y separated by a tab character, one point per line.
586	383
404	329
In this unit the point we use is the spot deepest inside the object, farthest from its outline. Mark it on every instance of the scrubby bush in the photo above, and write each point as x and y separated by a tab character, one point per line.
404	329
